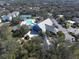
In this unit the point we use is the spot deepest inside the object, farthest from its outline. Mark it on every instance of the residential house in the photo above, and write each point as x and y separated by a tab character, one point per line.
10	16
24	17
15	13
70	22
46	25
76	19
60	16
5	18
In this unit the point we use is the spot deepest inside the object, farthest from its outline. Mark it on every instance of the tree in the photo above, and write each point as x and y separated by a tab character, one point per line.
4	31
21	32
61	35
31	49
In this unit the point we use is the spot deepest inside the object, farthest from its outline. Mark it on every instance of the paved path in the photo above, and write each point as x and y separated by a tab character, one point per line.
46	42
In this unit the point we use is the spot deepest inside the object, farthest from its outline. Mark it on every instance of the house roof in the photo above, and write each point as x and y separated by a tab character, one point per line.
76	19
60	16
15	13
46	24
30	35
71	21
51	28
4	17
24	17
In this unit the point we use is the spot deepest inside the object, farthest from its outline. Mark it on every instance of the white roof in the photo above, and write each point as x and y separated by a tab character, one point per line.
71	21
15	13
60	16
30	35
10	16
43	24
